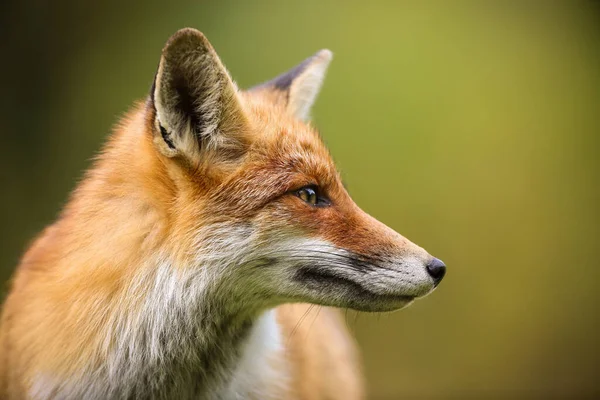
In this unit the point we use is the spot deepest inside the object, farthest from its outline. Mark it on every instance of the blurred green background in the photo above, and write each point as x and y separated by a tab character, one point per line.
470	127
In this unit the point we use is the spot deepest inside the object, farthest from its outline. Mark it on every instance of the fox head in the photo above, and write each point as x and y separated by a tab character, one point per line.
256	206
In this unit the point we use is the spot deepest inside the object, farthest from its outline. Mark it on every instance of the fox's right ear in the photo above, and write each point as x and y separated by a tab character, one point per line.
195	100
297	89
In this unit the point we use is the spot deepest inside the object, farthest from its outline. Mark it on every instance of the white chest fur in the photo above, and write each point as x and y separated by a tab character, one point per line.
261	372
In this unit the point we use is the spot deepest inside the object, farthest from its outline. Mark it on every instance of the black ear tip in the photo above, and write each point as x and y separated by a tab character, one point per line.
186	40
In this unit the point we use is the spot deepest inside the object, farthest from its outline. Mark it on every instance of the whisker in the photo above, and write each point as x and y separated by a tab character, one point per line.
313	322
308	310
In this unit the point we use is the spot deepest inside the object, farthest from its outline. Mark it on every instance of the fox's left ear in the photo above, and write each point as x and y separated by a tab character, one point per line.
297	89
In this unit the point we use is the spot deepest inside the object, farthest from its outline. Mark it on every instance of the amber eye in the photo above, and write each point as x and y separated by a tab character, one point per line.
310	194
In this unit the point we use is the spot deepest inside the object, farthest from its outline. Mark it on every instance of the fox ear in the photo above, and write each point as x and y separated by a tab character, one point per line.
297	89
196	101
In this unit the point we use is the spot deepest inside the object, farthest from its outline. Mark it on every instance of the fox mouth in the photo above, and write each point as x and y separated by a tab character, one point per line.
349	293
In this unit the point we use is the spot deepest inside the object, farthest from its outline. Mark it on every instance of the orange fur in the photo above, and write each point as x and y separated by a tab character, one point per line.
141	203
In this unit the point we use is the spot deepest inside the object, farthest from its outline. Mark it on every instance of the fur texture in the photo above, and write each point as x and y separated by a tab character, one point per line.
168	273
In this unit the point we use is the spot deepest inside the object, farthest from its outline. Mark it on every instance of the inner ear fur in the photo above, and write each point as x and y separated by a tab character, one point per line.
196	102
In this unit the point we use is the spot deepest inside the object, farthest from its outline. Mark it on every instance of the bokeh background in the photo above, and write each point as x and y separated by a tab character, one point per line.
470	127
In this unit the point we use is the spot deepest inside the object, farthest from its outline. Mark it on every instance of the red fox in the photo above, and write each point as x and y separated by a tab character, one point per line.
184	260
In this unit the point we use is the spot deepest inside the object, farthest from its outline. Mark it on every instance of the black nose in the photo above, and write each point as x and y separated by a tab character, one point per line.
437	270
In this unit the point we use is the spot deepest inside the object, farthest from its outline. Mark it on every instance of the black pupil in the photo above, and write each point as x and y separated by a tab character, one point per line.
309	195
312	196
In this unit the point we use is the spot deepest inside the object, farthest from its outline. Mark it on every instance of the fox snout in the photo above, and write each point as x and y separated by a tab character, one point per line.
401	270
340	256
420	272
399	266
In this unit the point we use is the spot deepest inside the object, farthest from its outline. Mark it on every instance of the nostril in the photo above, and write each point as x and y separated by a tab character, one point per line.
437	269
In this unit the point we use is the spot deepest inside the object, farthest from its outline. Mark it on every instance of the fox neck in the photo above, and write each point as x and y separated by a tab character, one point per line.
190	340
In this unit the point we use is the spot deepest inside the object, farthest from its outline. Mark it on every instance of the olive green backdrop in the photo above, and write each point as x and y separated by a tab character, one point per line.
470	127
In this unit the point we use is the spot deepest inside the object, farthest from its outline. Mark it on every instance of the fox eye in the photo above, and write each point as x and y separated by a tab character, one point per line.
310	194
